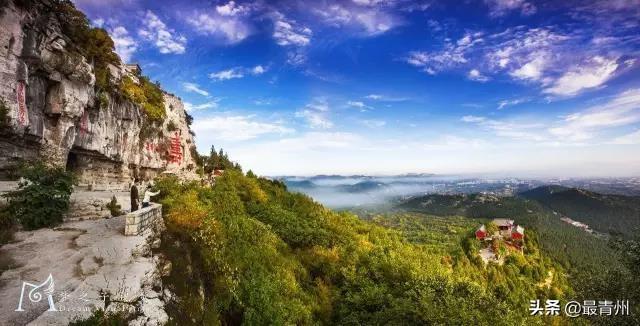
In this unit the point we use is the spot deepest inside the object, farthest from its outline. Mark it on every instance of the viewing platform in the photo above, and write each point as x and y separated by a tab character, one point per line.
143	219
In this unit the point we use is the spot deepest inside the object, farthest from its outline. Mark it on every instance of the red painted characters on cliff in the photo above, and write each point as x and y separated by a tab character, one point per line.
22	103
175	152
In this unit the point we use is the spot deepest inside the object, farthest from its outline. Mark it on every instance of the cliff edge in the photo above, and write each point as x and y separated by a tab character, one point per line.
63	103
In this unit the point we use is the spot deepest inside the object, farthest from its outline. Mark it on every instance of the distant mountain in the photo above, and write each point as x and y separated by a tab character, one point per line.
363	186
543	192
605	213
337	177
457	204
301	184
416	175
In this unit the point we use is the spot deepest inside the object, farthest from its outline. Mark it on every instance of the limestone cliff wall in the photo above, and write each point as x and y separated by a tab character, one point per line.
48	92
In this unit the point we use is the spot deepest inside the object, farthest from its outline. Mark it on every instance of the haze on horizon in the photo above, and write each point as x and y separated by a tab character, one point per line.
288	87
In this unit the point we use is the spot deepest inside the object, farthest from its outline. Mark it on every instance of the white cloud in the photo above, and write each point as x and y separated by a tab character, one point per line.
98	22
622	110
592	74
195	88
502	7
628	139
504	103
319	104
197	107
452	54
375	22
237	72
385	98
517	130
359	105
373	123
227	74
319	140
527	54
472	118
542	56
227	23
125	45
296	57
165	39
231	9
369	20
264	101
474	74
288	32
315	113
575	128
531	70
521	52
258	70
316	120
237	128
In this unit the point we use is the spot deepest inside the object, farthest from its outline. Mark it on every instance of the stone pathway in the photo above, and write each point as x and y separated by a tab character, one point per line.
85	258
488	255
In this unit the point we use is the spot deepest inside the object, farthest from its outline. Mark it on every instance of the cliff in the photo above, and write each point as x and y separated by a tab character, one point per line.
52	110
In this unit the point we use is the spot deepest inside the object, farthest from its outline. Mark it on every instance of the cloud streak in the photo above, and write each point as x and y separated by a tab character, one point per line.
238	127
316	114
194	88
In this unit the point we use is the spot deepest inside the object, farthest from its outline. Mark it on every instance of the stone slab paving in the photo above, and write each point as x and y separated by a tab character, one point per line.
83	258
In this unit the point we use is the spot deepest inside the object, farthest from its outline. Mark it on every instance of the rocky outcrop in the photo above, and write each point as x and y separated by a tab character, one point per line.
48	93
93	266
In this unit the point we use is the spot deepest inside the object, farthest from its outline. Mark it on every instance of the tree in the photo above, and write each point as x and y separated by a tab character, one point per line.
114	208
492	228
42	197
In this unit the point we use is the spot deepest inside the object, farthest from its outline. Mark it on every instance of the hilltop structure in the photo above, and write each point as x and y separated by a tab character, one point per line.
507	229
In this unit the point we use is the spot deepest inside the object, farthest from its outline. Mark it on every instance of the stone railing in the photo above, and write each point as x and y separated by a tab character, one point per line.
142	219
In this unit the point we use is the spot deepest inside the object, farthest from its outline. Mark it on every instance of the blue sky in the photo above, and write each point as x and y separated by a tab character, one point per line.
394	86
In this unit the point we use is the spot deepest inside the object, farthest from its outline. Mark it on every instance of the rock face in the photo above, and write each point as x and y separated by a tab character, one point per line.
48	94
86	260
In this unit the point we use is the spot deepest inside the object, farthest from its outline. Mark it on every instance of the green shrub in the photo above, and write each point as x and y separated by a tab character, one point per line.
100	318
114	207
94	44
145	94
148	129
7	226
171	126
42	197
5	119
102	100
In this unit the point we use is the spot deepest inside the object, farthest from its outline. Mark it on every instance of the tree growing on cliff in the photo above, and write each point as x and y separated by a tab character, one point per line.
93	43
145	94
42	197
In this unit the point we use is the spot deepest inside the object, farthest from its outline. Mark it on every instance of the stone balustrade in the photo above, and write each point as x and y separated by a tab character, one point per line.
139	221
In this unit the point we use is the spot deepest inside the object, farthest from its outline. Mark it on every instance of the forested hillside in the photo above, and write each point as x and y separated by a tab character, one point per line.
596	267
613	214
248	251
